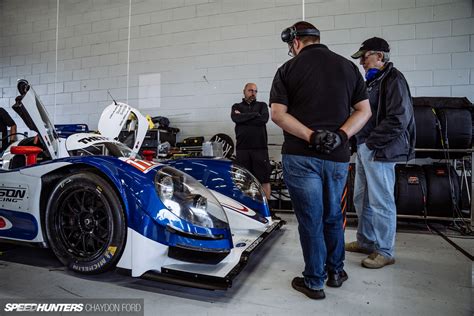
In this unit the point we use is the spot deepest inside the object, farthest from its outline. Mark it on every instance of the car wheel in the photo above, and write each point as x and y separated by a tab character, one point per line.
85	223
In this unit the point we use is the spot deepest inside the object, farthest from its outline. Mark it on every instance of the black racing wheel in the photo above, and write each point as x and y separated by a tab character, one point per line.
85	223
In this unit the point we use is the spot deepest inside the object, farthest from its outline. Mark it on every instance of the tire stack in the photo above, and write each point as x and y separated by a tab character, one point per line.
443	123
432	190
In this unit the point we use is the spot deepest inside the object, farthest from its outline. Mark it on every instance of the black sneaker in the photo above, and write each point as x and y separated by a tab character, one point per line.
299	285
336	279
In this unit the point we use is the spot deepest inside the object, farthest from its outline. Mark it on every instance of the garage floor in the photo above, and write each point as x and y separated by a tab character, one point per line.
430	278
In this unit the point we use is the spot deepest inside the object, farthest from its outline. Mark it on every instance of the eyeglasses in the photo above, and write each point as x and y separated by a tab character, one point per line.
290	49
367	54
252	90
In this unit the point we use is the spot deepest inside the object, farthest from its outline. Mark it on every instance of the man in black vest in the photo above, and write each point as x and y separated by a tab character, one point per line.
5	122
311	99
388	137
250	118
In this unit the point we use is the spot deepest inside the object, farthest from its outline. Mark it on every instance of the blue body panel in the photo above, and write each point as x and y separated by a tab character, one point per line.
24	225
144	209
215	174
145	212
66	130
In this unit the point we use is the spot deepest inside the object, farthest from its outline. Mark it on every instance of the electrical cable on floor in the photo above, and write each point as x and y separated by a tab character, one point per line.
460	237
463	228
464	252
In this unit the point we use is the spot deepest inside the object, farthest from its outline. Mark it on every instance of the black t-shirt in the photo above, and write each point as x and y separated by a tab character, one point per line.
5	121
319	87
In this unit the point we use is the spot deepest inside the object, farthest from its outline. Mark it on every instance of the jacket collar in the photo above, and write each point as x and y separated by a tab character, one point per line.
251	103
313	46
382	74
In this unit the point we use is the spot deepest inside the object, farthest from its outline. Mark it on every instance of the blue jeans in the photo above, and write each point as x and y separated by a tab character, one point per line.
316	187
374	202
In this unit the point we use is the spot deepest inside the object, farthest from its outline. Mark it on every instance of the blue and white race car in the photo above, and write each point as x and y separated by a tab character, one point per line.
98	206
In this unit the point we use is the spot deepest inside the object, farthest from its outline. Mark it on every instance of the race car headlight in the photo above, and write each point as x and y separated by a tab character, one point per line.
166	188
247	183
188	199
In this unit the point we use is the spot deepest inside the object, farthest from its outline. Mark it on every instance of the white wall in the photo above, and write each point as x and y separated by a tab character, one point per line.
189	59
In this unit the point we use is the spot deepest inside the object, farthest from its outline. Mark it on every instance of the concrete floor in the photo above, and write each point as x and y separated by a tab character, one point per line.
429	278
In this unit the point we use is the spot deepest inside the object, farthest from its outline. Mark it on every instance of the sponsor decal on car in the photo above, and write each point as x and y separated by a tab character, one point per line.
142	165
106	257
240	208
91	139
12	195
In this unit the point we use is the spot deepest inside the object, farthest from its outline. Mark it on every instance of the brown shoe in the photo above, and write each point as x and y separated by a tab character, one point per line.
377	261
354	247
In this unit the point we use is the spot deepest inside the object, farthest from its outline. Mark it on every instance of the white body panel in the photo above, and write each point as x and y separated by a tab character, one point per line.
29	203
28	179
114	118
84	140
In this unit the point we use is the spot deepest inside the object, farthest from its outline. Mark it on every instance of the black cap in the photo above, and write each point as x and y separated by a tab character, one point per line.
374	43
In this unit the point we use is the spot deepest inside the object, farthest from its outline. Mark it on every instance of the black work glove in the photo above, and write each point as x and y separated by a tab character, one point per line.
334	140
326	142
316	140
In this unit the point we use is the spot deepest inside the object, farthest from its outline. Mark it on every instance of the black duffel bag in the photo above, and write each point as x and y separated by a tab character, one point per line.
440	199
410	189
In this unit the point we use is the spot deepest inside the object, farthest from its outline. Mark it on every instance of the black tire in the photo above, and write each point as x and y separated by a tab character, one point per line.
85	223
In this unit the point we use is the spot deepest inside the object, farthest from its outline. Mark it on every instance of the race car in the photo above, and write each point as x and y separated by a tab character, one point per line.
98	206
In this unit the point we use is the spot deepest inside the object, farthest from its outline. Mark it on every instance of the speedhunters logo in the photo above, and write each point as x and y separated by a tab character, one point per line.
80	306
12	195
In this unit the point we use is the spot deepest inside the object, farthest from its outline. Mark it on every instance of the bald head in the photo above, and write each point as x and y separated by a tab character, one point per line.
250	92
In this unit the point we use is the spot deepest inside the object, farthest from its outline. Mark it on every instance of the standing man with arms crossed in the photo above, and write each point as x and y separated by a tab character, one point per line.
250	117
389	137
311	99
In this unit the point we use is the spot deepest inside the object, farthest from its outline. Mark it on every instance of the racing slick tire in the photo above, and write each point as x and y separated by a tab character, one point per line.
85	223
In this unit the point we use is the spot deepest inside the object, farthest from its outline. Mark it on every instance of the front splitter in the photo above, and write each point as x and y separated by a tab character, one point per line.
210	282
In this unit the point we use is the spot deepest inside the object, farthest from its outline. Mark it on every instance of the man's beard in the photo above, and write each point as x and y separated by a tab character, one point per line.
251	99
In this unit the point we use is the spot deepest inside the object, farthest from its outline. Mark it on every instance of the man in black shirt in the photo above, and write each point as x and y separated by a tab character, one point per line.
6	121
250	118
311	99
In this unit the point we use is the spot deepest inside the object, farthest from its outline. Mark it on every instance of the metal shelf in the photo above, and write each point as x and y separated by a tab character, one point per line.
436	150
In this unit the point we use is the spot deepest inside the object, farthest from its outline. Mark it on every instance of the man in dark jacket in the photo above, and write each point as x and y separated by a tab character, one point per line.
387	138
250	118
5	122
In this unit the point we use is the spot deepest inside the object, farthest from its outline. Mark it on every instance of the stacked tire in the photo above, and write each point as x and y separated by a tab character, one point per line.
443	123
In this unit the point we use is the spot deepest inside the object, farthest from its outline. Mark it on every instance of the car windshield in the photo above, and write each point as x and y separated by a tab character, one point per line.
50	130
114	149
